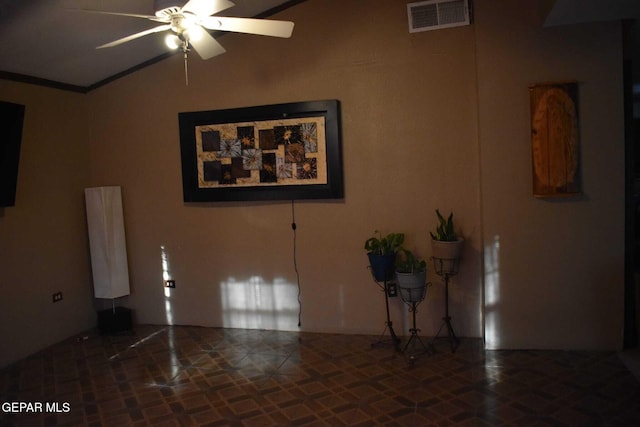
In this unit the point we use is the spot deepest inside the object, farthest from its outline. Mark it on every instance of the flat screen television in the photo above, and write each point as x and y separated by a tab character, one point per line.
10	138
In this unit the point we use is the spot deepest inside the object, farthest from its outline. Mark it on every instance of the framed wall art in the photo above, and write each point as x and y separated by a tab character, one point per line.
272	152
555	139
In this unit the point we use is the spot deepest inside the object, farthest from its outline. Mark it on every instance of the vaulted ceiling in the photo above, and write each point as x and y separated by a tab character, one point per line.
51	42
46	41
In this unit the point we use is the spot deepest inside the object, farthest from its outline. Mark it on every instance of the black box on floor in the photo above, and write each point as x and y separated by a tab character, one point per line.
112	321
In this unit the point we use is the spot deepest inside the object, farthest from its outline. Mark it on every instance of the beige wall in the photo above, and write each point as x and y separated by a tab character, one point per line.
409	145
43	243
554	268
429	120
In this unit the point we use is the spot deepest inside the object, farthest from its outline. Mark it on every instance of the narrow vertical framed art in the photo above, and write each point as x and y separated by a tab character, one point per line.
555	140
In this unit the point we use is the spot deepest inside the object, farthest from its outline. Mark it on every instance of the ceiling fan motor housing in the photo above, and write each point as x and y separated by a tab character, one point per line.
165	8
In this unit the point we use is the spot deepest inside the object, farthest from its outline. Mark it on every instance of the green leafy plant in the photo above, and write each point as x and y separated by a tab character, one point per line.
384	245
408	262
444	231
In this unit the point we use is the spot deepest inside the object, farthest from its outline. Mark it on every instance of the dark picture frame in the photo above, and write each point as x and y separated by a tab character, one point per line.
272	152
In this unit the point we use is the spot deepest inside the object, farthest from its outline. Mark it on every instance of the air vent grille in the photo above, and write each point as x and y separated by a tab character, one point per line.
436	14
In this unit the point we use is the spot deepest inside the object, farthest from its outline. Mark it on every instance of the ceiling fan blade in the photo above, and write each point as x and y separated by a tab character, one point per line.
263	27
136	35
131	15
206	7
206	46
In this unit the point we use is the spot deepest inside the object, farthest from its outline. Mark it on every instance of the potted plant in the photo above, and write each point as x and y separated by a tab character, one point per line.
445	242
381	251
411	275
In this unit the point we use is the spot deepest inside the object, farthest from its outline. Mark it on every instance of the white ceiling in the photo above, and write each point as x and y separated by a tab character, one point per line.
46	39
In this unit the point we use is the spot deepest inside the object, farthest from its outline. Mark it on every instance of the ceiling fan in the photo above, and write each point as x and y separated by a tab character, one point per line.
189	21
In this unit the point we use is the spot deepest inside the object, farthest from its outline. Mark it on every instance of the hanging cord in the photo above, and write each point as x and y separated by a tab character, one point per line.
186	69
295	262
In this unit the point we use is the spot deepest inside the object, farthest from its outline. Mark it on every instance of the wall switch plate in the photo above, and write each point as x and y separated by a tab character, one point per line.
392	290
169	283
57	297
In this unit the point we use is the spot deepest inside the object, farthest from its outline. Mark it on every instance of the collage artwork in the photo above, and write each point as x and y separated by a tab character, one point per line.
262	153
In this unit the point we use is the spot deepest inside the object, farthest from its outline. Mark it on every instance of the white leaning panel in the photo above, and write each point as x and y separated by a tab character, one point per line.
107	242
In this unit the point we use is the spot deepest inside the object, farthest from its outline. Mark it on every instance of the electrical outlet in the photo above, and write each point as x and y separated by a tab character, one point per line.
57	296
392	290
169	283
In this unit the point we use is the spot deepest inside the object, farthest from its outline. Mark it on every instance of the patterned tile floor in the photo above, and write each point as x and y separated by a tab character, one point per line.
190	376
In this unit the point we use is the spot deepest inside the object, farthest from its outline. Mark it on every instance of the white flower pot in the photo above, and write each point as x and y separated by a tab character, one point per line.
412	286
446	255
447	250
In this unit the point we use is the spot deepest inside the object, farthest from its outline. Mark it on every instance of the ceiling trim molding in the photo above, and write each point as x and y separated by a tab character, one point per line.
22	78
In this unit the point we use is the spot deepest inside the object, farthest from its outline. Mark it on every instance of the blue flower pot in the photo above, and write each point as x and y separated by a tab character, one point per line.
382	266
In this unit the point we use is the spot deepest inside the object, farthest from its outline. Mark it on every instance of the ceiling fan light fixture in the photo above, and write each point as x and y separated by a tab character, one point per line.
194	33
172	41
178	24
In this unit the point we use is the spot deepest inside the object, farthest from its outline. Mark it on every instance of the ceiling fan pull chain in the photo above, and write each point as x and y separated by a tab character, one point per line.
186	70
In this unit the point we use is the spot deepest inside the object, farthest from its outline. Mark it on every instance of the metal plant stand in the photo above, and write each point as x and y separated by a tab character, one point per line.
388	325
413	297
447	268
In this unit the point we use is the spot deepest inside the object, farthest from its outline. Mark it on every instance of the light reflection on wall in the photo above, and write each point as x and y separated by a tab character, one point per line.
166	275
492	294
164	257
256	304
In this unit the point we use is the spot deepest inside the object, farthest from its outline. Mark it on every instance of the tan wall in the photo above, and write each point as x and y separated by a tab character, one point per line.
409	146
433	119
43	243
554	269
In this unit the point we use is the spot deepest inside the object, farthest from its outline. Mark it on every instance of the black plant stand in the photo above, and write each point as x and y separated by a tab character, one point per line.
388	325
447	268
413	297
